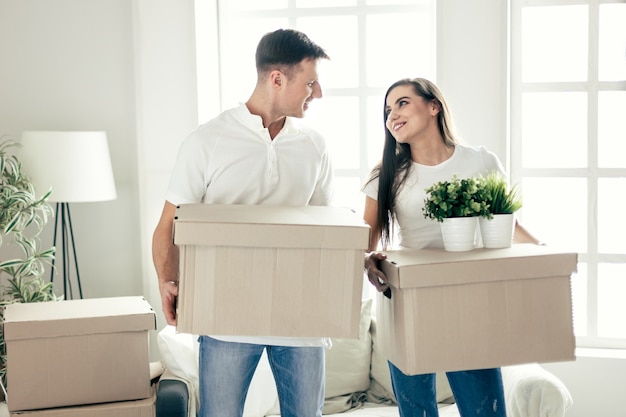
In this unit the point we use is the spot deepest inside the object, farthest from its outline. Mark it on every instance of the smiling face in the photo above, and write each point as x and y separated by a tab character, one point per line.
302	86
409	116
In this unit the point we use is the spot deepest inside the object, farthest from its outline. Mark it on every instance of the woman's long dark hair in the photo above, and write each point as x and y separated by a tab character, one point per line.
394	168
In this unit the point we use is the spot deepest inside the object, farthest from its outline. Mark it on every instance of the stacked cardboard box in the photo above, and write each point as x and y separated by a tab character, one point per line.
270	270
136	408
479	309
77	353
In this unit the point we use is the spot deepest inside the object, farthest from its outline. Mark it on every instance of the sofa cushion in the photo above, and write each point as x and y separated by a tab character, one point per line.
381	391
348	366
179	353
533	391
348	360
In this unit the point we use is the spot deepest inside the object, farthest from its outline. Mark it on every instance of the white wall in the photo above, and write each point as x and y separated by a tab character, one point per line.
127	67
596	381
472	69
166	111
68	65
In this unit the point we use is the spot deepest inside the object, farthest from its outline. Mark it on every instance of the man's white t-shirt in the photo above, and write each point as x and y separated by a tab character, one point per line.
232	160
414	230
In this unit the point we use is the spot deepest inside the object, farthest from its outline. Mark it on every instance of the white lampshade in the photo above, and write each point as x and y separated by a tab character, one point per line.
76	165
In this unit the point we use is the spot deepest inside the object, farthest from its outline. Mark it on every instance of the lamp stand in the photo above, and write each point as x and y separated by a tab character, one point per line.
63	221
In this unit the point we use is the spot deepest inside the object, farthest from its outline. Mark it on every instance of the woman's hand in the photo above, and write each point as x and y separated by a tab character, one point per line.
372	266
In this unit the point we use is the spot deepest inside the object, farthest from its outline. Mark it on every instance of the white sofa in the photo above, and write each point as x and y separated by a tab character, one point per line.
357	380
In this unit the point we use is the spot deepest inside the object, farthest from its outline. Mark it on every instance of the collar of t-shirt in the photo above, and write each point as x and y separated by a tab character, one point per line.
255	123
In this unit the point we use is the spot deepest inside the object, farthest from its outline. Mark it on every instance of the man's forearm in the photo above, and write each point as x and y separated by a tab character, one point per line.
165	257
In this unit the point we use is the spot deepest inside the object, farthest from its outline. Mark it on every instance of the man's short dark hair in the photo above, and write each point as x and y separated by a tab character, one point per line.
285	48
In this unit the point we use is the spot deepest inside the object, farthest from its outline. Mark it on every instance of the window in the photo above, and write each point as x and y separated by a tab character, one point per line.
568	142
360	37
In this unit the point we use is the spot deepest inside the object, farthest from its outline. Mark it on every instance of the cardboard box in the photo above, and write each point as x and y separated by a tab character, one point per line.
75	352
480	309
270	270
137	408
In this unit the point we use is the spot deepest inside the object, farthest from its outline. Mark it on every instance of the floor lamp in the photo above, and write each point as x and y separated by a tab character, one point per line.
77	167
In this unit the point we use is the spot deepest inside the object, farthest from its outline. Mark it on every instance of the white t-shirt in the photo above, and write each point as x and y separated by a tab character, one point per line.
413	229
232	160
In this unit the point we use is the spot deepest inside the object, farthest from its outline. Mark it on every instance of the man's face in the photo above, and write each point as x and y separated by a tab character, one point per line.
301	88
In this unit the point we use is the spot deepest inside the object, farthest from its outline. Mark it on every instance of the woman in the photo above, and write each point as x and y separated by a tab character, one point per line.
420	150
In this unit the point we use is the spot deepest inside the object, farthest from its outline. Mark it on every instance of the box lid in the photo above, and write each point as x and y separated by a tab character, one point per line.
77	317
270	226
434	267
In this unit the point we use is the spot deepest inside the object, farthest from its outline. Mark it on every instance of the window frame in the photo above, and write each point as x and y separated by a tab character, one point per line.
592	173
210	79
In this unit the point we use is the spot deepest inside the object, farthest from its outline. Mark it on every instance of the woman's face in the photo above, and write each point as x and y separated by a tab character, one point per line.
409	116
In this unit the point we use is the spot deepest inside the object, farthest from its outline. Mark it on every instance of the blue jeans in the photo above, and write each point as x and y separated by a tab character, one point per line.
226	370
477	393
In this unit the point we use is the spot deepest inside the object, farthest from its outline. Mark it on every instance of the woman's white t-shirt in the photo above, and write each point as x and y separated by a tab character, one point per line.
413	229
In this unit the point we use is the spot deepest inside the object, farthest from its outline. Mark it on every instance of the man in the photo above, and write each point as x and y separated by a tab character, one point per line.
254	154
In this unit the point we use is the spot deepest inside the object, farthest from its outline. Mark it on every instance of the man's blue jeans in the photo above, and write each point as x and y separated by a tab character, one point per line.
226	370
478	393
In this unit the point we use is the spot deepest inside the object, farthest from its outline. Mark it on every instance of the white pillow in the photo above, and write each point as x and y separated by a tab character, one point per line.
348	360
348	367
179	354
533	391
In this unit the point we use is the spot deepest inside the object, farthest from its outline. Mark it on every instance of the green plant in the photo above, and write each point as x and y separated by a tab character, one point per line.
22	218
458	197
499	197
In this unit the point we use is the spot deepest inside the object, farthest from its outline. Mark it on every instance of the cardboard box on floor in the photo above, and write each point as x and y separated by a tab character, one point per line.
270	270
74	352
136	408
480	309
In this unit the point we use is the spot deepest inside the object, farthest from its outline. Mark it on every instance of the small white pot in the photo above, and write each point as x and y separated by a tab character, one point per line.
459	233
497	232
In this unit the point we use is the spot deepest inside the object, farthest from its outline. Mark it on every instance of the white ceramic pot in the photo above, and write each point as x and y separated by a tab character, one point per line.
498	231
459	233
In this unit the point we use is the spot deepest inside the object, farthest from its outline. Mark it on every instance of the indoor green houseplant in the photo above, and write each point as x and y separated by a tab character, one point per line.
497	227
457	197
22	218
457	204
500	198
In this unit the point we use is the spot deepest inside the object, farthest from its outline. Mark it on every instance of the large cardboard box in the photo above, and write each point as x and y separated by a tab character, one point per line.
270	270
75	352
136	408
479	309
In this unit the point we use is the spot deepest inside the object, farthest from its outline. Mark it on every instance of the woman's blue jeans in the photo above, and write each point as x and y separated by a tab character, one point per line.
226	370
478	393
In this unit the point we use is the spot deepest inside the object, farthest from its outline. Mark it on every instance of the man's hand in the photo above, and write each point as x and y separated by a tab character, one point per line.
169	292
165	258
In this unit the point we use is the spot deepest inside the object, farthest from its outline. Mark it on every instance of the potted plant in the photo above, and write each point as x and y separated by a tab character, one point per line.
22	218
457	204
498	225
